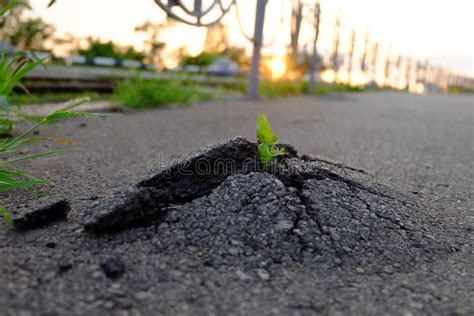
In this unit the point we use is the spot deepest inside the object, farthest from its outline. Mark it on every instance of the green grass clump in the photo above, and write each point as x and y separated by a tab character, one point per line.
459	90
281	88
284	88
156	93
12	70
267	149
322	88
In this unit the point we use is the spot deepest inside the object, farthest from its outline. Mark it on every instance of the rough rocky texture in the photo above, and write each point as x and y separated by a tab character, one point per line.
415	142
45	213
307	210
294	172
253	220
184	179
369	230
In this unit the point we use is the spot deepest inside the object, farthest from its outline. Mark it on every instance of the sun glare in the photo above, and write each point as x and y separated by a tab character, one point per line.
278	67
328	75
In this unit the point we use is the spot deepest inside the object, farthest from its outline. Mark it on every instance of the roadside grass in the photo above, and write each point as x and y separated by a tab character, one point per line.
323	88
11	153
12	70
26	99
459	90
139	94
283	88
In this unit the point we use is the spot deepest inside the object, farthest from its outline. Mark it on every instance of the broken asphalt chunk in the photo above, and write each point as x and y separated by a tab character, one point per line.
46	213
186	178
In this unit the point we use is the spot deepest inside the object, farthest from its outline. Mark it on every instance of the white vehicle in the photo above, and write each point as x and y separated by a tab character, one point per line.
192	69
223	67
7	49
77	59
130	63
104	61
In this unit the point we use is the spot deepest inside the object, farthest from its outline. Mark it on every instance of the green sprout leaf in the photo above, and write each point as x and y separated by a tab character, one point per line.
267	150
6	215
264	130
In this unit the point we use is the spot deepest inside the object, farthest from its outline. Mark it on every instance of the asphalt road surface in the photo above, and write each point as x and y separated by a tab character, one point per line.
423	145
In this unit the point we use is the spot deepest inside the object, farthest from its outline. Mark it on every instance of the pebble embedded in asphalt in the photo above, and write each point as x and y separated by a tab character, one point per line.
113	267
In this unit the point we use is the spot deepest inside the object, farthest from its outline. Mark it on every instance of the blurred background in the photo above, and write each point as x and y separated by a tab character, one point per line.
94	46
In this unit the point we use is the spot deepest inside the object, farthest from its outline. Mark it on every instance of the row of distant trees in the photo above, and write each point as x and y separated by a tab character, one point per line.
216	45
109	49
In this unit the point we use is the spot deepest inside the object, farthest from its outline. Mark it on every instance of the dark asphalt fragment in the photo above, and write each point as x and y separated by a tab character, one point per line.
190	176
198	172
49	212
128	206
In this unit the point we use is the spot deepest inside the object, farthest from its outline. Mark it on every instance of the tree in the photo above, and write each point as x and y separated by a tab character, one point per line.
31	34
296	20
216	38
98	48
11	18
109	49
203	59
68	44
24	33
131	53
154	45
238	55
304	66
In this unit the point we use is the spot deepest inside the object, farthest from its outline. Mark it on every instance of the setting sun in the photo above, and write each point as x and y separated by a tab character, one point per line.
278	67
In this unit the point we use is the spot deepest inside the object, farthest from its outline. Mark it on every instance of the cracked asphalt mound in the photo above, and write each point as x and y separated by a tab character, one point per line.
301	211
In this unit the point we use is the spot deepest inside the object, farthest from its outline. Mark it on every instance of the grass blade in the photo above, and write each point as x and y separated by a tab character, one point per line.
34	156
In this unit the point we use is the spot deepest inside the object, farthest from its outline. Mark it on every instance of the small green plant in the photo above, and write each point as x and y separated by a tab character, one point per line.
12	70
267	149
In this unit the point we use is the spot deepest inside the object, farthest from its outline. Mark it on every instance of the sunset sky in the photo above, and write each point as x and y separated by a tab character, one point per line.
438	30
